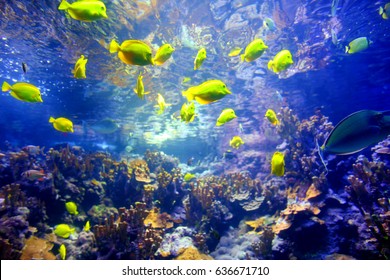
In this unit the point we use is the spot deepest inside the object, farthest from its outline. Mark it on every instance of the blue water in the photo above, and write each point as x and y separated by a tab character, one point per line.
322	76
340	83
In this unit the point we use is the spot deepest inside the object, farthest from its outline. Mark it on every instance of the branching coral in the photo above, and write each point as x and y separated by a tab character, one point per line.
369	188
164	178
128	236
301	137
158	160
140	170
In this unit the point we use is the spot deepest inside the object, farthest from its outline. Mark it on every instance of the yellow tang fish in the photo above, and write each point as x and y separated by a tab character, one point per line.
200	57
72	208
226	116
235	51
277	164
79	68
187	112
62	124
63	230
357	45
62	251
271	116
140	90
163	54
236	142
207	92
84	10
161	104
87	226
254	50
133	52
281	61
188	177
23	92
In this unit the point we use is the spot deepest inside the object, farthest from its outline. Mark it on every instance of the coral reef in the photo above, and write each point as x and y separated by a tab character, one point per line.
144	209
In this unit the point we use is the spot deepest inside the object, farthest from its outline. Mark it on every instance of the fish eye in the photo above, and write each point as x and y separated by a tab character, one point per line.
266	23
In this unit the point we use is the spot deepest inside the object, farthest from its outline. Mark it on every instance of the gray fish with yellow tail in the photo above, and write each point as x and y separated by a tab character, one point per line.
357	131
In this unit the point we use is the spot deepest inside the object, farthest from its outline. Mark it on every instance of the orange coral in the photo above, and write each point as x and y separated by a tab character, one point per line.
295	208
140	170
157	220
37	249
191	253
312	192
258	223
282	224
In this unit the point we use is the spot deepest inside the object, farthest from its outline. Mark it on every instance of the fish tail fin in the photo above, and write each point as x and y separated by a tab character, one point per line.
270	64
189	95
320	154
63	5
6	87
346	49
52	120
381	11
114	46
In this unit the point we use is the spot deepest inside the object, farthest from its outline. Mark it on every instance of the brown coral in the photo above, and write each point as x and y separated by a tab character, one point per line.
312	192
255	224
281	224
191	253
139	168
37	249
157	220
